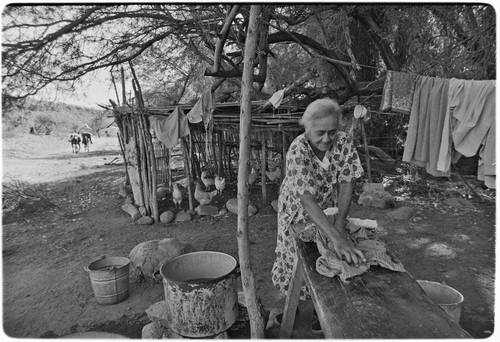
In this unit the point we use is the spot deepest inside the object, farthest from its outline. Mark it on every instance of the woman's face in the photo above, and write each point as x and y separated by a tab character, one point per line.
322	132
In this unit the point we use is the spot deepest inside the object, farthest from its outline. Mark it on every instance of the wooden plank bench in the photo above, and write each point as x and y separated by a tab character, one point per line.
379	304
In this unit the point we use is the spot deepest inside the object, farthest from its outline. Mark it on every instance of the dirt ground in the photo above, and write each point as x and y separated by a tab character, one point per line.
46	243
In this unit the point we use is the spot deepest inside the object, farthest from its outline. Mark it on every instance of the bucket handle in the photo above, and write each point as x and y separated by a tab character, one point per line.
86	268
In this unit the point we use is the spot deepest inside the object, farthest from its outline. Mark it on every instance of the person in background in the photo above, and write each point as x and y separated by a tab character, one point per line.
321	166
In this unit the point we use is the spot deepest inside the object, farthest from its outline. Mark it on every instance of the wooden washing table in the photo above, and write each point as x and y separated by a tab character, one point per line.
379	304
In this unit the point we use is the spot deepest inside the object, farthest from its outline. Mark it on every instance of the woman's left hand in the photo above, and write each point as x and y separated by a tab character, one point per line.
346	251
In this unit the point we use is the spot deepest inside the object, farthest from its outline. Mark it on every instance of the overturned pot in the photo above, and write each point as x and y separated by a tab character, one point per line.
201	293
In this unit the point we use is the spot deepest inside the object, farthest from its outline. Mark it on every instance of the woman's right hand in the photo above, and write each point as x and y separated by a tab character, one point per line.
346	251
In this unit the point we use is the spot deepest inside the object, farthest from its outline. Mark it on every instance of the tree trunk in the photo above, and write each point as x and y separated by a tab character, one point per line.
256	319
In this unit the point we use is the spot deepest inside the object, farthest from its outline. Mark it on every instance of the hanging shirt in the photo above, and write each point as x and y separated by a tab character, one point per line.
171	129
398	91
470	120
427	118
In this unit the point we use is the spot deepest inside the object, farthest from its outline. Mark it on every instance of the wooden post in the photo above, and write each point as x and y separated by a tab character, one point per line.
263	168
188	173
122	148
284	148
257	325
368	168
124	93
169	172
220	166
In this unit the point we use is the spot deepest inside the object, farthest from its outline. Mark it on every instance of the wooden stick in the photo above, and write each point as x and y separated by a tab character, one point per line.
124	93
263	169
365	142
257	325
284	148
122	148
188	174
219	151
152	166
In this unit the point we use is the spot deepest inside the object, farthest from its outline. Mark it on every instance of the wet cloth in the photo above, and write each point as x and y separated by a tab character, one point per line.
203	109
427	119
470	118
329	265
304	173
398	91
169	130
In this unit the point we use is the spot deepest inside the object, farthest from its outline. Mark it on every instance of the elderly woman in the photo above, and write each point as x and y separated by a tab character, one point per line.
321	165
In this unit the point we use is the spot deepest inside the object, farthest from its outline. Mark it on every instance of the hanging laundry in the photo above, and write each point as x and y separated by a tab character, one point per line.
203	109
486	170
170	130
277	98
329	265
398	91
471	121
427	119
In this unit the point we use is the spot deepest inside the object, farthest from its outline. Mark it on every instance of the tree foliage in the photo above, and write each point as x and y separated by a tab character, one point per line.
180	49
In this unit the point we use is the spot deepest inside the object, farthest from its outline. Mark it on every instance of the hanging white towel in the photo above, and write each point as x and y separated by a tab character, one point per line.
277	98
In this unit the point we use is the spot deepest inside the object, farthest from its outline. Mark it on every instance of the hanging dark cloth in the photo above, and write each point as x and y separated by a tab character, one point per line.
399	88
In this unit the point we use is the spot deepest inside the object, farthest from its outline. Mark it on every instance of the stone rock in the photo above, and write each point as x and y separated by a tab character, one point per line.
122	190
167	217
171	335
374	195
403	213
223	211
459	203
232	206
373	187
142	210
266	210
153	331
203	210
132	211
182	216
128	200
145	220
274	204
148	256
158	313
162	192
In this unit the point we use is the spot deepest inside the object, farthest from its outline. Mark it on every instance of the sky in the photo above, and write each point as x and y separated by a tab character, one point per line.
92	90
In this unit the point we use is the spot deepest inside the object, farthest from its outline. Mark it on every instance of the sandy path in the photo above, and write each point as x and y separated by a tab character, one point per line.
40	158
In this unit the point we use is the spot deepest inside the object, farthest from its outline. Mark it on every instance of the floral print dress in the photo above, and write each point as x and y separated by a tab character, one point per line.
304	171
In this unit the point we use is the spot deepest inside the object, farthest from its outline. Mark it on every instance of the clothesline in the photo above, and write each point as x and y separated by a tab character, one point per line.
385	113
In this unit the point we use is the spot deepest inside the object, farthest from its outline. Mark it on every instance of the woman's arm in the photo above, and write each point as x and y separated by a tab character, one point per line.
342	246
344	204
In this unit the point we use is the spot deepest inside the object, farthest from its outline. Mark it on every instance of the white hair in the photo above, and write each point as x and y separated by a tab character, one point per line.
319	109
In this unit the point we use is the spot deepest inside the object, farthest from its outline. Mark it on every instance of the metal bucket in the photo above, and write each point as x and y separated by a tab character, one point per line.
449	299
110	279
201	293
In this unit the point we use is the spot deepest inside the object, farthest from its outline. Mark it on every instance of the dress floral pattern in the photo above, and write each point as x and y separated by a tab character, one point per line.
305	173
